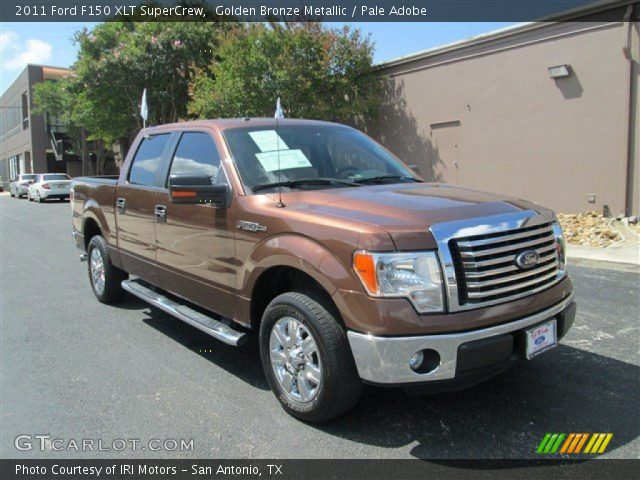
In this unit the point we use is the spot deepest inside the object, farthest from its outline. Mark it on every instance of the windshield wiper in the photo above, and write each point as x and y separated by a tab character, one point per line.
383	178
302	182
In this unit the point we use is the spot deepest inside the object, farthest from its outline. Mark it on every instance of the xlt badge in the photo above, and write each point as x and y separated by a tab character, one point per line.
250	226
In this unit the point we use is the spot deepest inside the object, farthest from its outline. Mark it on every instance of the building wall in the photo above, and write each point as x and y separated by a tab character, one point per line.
488	116
30	140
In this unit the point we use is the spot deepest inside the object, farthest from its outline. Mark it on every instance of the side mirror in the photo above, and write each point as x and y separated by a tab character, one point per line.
197	189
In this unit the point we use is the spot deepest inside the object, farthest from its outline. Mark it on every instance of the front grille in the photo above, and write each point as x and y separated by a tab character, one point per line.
486	264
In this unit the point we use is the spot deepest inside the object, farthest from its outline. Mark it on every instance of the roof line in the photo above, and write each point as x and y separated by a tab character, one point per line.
504	32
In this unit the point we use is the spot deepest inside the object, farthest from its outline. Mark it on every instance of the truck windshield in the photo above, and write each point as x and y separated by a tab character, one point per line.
311	157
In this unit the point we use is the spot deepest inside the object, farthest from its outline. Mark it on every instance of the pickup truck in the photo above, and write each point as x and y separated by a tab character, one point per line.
350	268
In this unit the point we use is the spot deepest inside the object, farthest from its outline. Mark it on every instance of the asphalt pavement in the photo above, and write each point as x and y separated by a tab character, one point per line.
73	369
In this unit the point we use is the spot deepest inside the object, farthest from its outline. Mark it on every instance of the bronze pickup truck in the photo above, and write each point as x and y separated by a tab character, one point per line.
350	267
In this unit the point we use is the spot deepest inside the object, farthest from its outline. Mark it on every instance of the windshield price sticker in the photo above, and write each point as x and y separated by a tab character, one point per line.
268	140
288	159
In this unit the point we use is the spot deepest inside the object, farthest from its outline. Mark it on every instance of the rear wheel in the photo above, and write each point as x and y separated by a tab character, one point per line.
307	359
104	277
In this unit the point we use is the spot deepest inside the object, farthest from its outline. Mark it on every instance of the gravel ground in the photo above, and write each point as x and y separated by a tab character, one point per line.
588	228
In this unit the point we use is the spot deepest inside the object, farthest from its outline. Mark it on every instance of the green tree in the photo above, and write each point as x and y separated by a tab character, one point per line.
117	60
317	72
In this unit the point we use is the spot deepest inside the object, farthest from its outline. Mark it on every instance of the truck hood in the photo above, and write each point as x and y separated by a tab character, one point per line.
405	210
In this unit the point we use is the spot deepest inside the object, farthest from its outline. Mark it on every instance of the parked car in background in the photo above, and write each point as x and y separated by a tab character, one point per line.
50	185
20	186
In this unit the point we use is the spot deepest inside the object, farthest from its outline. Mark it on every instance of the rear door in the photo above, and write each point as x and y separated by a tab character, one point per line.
195	243
135	202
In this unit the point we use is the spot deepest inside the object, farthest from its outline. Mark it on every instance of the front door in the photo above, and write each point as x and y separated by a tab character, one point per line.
446	152
195	243
135	202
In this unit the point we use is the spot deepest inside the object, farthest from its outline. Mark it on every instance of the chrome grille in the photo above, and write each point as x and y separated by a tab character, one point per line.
486	264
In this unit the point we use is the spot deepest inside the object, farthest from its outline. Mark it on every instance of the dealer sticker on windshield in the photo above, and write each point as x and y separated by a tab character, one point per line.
541	338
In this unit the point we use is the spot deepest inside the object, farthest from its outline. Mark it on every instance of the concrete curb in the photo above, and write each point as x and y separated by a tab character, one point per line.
629	254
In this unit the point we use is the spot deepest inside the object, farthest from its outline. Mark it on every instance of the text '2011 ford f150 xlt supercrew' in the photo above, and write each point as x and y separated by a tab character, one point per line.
350	267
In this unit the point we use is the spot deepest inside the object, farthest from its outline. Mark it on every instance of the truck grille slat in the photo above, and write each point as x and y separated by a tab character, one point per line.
510	288
471	263
510	278
507	248
509	268
486	264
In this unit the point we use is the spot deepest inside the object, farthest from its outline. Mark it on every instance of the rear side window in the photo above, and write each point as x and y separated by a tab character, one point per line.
147	161
196	155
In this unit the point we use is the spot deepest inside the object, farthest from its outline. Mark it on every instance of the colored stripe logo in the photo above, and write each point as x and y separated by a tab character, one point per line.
572	443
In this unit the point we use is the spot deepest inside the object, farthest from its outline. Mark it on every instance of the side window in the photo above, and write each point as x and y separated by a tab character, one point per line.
197	155
147	160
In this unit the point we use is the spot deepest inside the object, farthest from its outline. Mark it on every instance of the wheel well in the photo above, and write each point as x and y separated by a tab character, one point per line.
277	280
90	230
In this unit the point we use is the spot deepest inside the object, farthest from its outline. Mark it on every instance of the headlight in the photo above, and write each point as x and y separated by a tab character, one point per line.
560	247
414	275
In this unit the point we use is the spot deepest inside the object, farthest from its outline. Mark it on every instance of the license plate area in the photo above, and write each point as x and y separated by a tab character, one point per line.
541	338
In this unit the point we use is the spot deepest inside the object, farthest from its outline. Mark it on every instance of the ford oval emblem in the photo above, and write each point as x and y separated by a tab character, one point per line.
527	259
539	340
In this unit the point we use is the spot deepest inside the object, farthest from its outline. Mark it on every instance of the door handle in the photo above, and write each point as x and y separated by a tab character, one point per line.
120	205
161	213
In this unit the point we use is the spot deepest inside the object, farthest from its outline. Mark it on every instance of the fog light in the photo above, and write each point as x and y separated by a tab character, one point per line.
415	362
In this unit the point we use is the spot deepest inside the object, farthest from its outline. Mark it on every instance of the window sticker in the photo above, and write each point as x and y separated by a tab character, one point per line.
288	159
268	140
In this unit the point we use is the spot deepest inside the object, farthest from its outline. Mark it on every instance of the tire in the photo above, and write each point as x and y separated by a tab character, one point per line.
339	387
106	287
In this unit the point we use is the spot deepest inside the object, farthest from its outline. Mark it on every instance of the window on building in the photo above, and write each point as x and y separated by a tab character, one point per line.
25	111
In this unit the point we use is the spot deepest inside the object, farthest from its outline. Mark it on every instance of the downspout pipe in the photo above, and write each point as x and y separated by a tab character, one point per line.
630	134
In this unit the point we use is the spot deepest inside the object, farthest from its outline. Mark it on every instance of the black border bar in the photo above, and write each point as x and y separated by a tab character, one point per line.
306	10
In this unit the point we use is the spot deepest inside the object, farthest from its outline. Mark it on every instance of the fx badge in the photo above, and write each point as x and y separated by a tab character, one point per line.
250	226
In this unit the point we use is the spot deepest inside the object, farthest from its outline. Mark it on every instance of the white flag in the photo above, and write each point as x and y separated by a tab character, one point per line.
279	112
144	111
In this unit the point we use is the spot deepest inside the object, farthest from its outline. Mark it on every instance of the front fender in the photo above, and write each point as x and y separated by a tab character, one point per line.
300	252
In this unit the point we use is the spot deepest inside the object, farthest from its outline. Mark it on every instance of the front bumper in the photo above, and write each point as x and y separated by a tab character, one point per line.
385	360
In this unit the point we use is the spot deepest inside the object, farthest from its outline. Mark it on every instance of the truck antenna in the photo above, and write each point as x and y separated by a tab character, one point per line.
279	204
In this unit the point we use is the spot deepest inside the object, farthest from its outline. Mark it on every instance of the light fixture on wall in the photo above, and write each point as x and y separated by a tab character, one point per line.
559	71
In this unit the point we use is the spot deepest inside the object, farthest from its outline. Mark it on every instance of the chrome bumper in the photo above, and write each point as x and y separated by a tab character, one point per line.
386	359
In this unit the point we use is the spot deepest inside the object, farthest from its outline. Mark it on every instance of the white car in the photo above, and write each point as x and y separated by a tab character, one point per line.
50	185
20	186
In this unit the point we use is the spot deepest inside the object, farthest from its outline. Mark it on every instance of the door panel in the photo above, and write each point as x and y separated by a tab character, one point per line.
136	231
135	203
195	243
446	152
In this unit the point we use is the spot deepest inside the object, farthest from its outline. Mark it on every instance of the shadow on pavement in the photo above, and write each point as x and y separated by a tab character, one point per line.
567	390
243	362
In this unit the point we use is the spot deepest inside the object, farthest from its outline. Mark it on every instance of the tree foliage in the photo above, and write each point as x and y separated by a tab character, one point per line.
317	72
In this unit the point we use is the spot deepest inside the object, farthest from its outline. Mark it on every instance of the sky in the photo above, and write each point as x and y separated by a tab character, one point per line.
51	43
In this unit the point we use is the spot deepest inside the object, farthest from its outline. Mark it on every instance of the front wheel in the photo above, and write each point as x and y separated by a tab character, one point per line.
307	359
105	279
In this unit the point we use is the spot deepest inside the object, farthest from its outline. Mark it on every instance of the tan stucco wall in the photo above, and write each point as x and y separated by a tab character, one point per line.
520	132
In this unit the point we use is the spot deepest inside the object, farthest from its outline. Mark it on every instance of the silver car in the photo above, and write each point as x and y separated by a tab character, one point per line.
20	186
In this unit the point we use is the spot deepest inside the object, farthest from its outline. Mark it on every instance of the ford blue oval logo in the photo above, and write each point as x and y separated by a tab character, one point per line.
527	259
539	340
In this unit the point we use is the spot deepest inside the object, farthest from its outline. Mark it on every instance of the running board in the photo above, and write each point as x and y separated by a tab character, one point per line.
208	325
